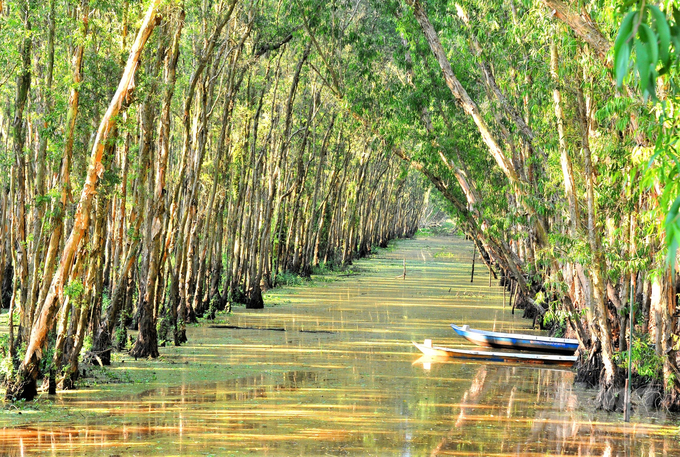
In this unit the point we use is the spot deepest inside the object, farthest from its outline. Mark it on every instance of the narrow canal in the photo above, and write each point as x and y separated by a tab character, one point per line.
329	370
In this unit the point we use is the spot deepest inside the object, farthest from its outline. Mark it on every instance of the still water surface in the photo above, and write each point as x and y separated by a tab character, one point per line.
336	376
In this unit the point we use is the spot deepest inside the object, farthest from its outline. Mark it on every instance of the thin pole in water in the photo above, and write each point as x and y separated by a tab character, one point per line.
474	254
626	413
513	288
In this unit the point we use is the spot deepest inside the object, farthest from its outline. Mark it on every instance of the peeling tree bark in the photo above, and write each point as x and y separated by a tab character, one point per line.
19	220
582	25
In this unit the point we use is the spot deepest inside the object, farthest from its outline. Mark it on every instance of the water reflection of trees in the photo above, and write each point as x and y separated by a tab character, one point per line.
356	393
517	411
149	414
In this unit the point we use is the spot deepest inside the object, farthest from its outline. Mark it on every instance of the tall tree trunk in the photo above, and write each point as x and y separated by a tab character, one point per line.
41	159
23	85
25	384
146	344
67	159
671	374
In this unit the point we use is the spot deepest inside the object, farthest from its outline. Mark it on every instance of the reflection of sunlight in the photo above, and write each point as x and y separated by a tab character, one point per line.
478	381
511	401
461	416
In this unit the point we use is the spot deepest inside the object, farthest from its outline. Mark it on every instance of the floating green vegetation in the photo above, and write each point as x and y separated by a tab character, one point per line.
286	279
98	375
324	273
391	247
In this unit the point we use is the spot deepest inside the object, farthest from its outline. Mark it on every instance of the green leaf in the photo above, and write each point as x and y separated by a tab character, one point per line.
624	31
622	47
621	59
675	38
648	37
672	216
664	32
672	250
676	15
643	64
672	232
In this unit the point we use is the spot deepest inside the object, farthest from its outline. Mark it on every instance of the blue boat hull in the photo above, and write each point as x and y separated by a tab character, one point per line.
517	341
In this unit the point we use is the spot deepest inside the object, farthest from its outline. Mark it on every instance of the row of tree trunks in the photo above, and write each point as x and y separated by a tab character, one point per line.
24	386
261	176
596	296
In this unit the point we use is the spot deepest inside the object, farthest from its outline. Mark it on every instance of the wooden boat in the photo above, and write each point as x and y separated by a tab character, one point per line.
511	357
428	362
517	341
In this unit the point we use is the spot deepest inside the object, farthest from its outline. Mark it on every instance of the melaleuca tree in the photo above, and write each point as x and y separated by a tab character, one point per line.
226	161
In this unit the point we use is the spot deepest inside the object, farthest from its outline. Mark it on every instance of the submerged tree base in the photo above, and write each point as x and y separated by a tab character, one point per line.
671	401
254	299
611	399
101	348
23	387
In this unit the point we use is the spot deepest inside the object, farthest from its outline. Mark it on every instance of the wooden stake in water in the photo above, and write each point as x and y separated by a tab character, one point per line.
474	253
626	412
513	288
